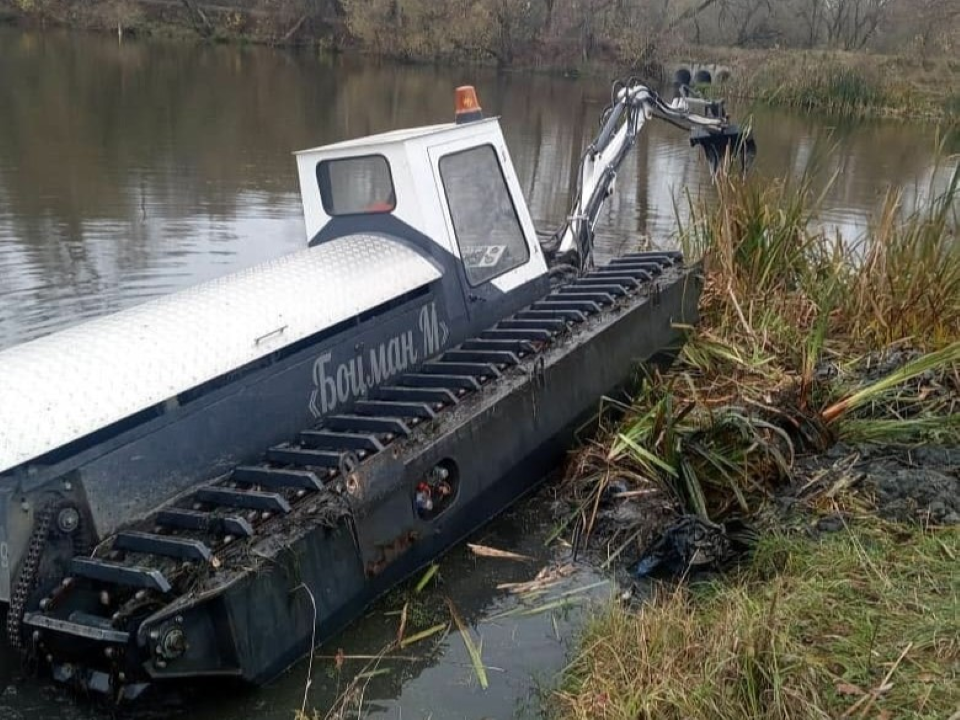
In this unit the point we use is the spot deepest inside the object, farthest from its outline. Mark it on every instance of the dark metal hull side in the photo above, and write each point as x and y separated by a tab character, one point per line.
310	583
145	466
123	478
115	483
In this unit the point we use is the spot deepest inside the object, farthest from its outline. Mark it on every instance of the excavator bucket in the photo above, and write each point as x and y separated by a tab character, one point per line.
725	147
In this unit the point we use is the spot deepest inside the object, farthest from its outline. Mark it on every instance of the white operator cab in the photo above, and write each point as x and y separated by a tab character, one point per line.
453	185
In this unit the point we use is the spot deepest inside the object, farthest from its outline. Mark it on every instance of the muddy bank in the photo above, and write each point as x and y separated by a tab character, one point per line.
905	484
917	485
747	468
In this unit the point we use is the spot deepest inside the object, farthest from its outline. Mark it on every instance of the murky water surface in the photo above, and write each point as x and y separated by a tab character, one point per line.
130	171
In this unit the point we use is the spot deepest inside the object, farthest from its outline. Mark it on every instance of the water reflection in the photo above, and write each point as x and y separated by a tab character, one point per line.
129	171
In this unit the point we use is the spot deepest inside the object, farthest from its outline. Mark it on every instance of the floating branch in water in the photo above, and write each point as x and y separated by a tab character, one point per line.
424	634
485	551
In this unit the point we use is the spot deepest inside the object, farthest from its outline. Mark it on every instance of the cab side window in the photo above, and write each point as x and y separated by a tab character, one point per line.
485	221
357	185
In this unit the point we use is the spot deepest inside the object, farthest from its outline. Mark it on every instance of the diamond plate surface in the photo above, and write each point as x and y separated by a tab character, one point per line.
64	386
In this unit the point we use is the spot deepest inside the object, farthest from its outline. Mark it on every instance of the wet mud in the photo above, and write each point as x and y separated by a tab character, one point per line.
920	484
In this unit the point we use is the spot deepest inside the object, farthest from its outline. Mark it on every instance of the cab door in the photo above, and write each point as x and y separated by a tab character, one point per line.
501	264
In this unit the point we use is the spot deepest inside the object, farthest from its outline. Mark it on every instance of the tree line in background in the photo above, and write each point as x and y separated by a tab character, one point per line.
582	30
553	33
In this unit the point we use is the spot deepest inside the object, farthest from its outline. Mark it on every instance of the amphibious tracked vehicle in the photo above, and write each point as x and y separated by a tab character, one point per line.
208	484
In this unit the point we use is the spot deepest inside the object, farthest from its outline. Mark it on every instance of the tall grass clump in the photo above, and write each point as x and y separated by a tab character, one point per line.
775	275
839	90
908	283
805	337
789	312
760	257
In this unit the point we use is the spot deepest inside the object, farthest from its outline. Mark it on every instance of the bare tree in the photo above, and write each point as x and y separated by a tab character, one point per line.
811	14
199	18
852	23
927	25
749	20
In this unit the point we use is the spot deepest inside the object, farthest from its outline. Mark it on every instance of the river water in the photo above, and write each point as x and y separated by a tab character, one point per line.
129	171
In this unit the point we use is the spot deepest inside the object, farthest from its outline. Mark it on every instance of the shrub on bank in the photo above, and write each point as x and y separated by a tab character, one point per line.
845	84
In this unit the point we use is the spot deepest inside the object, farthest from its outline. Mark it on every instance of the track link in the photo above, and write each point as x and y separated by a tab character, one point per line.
149	566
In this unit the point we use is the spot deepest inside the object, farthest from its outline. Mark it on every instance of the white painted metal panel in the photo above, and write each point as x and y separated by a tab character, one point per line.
64	386
405	151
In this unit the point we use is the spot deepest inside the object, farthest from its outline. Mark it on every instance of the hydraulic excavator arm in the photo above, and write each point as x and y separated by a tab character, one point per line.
632	105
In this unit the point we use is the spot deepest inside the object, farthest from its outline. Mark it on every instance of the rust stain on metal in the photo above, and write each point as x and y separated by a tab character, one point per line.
391	551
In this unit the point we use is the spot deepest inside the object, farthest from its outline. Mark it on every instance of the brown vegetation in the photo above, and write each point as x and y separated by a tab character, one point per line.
855	57
553	33
845	83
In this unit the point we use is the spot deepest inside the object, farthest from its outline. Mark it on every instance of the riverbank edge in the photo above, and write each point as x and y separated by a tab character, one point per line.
858	620
815	408
841	84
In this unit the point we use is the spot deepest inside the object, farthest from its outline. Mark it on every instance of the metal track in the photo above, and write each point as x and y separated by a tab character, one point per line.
151	565
27	577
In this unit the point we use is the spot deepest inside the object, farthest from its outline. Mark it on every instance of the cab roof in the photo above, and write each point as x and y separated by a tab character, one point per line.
399	136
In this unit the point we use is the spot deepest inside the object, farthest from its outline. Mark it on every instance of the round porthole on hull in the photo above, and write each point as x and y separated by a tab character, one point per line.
437	490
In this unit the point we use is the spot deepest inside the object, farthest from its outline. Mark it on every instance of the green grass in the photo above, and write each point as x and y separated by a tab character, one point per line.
836	89
952	105
865	620
709	456
782	298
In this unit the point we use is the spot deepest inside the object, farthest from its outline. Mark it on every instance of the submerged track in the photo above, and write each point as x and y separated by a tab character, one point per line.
114	621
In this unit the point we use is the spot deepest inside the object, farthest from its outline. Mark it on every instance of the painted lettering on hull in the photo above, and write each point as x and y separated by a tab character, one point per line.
338	383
